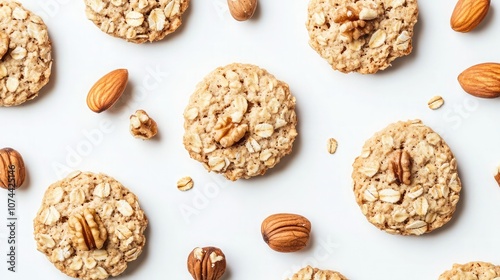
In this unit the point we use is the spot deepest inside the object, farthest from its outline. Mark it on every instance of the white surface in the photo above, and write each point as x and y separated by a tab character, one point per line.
51	129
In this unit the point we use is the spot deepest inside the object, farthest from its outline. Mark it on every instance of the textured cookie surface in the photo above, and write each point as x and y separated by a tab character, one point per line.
240	121
310	273
25	54
120	230
137	21
472	271
361	36
406	179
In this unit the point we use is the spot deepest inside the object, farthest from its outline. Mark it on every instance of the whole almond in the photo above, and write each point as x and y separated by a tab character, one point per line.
481	80
468	14
12	170
242	9
286	232
107	90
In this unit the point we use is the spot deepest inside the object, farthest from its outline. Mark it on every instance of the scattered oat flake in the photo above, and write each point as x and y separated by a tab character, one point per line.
435	102
332	145
185	183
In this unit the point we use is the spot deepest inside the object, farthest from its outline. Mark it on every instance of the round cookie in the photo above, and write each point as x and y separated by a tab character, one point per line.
310	273
361	36
240	121
137	21
472	271
25	54
90	226
406	180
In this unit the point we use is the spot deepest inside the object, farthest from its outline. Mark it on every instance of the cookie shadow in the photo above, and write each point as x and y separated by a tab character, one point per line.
411	57
136	264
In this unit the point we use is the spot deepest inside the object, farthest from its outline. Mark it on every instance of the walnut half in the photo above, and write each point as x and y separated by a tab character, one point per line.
400	168
227	133
357	20
88	231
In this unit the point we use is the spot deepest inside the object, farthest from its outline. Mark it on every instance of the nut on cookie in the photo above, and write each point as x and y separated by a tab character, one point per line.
90	226
240	121
361	36
406	180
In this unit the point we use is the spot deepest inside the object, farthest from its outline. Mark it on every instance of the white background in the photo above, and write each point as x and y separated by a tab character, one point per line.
51	132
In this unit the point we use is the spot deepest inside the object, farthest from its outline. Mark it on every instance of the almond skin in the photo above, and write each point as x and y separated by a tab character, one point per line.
242	9
468	14
107	90
286	232
481	80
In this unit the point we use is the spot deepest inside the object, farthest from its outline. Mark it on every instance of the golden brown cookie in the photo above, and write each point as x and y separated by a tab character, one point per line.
310	273
361	36
240	121
472	271
406	180
137	21
25	54
90	226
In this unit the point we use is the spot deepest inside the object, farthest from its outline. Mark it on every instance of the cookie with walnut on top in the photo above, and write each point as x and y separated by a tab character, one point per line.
240	121
406	179
361	36
90	226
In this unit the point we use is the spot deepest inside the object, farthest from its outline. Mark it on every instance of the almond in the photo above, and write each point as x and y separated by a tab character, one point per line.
468	14
286	232
107	90
242	9
481	80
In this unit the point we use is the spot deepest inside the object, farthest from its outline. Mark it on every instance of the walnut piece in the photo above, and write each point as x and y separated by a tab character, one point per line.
142	126
400	167
227	133
88	231
207	263
357	20
4	44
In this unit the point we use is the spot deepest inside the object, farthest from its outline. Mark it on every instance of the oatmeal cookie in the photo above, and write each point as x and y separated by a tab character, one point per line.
137	21
240	121
310	273
25	54
406	180
361	36
472	271
90	226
